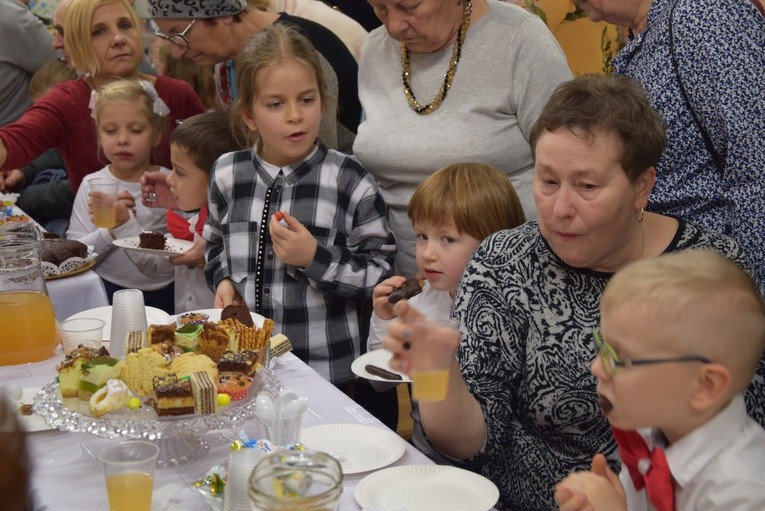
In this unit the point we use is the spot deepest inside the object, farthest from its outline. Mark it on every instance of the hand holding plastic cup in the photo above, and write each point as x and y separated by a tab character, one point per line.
129	473
87	332
432	359
103	196
128	314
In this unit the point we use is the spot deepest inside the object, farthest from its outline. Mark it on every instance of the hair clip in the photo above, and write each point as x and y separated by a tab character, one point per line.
159	106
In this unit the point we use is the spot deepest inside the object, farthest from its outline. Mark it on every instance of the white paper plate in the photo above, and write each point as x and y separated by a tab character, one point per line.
154	316
30	423
427	487
214	315
379	358
173	246
358	448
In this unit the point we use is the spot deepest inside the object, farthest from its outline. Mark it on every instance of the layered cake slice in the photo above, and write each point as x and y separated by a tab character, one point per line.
245	362
172	396
204	390
70	369
95	372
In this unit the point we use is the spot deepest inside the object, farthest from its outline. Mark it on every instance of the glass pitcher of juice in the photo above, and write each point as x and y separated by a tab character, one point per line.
28	327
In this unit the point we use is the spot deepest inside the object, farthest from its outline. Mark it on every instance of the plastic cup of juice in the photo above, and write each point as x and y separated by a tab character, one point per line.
129	473
103	192
434	359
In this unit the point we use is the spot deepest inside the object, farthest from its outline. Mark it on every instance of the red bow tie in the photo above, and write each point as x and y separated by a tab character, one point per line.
647	469
179	226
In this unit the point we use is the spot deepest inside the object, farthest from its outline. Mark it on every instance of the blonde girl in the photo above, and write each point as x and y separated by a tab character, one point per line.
129	117
296	231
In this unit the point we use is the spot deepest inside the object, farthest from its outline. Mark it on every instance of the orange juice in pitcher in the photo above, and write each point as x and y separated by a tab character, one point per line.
28	327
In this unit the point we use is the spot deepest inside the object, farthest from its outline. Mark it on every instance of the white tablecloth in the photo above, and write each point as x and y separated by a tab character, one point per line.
80	292
68	477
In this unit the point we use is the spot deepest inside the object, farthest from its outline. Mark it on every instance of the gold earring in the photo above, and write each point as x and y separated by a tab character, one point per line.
640	215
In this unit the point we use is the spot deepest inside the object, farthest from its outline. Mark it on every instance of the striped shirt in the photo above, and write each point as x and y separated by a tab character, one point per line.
319	307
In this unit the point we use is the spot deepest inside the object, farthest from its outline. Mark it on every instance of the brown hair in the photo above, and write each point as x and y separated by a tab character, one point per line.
205	137
592	104
271	46
48	75
477	198
78	38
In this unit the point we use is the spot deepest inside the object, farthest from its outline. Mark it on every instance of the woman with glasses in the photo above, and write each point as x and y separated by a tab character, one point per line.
103	41
521	406
217	31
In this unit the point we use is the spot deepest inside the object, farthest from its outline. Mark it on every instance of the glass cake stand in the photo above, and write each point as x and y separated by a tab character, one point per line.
177	437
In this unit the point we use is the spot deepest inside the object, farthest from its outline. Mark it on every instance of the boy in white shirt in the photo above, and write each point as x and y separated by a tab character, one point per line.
681	337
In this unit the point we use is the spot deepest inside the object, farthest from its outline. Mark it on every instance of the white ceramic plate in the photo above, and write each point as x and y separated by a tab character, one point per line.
154	316
30	423
427	487
358	448
173	247
379	358
214	315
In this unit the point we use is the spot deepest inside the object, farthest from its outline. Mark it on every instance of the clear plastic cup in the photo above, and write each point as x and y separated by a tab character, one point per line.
103	193
129	473
87	332
128	314
240	466
430	380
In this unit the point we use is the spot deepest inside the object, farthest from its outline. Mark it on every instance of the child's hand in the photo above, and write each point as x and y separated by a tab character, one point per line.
226	294
597	490
383	308
124	205
293	243
193	257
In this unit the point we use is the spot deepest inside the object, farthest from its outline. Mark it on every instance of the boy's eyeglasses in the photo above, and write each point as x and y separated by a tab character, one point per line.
611	361
178	38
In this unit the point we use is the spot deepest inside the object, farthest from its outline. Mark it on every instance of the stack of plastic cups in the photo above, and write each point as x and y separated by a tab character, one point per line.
240	466
128	314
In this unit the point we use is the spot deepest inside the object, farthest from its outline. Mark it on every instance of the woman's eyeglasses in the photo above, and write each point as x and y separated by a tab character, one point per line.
611	361
178	38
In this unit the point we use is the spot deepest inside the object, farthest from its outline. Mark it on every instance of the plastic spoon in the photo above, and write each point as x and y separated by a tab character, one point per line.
265	409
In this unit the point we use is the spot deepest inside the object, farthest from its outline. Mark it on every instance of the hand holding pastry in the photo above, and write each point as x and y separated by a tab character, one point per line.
381	294
293	243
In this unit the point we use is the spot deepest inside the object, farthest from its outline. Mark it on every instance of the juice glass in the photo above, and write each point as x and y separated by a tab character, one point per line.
433	358
129	473
103	193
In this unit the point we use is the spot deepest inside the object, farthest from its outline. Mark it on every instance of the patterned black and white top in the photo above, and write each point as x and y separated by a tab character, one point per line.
720	52
317	307
526	319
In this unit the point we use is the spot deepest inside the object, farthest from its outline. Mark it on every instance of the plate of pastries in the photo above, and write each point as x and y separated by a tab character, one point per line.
204	366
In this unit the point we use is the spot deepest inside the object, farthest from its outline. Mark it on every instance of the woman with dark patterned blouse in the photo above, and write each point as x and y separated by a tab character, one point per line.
522	407
704	58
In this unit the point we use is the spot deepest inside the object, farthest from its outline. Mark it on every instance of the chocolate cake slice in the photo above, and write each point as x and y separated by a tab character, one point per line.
152	240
